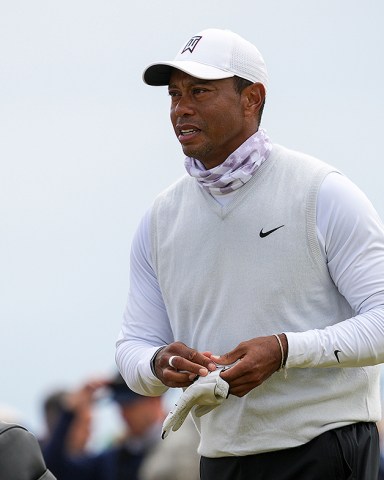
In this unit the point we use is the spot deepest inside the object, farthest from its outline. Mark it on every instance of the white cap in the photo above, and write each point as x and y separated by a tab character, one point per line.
212	54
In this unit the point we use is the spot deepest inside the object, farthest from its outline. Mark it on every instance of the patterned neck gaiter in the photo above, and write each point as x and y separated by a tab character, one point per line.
236	170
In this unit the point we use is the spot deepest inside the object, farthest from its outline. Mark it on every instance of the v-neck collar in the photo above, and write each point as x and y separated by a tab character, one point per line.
223	210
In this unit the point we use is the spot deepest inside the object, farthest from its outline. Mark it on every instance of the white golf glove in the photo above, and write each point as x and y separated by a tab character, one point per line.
206	393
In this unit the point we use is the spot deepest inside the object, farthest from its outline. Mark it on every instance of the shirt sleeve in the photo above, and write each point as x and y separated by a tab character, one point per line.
351	235
145	326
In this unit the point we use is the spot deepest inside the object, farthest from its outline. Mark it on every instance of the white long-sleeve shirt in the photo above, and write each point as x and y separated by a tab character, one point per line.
351	236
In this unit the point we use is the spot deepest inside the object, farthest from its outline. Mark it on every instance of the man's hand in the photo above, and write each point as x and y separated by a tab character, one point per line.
83	397
254	361
187	364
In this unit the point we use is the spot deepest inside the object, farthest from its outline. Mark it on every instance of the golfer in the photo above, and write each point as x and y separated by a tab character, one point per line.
264	260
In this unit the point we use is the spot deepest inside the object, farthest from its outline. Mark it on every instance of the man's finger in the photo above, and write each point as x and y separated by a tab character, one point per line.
181	364
227	358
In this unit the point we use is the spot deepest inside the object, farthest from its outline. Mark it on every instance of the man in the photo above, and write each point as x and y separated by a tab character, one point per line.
264	260
142	418
76	407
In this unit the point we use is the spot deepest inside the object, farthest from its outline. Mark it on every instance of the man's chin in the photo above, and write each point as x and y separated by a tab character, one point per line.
195	153
201	154
189	152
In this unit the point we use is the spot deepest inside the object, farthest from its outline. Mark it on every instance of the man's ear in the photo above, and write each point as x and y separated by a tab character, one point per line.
254	96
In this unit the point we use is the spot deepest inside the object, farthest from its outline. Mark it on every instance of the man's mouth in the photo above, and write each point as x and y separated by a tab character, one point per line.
188	131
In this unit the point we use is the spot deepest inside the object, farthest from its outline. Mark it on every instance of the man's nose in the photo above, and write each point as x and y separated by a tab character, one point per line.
184	106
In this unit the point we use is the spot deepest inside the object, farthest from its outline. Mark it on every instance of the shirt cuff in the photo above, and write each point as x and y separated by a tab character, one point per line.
303	349
148	382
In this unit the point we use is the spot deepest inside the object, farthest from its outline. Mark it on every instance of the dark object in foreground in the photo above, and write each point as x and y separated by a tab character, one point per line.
20	455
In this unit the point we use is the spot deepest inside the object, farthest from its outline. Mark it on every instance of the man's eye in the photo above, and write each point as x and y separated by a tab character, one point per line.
199	90
173	94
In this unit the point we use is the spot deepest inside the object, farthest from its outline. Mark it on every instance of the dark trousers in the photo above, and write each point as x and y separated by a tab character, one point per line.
346	453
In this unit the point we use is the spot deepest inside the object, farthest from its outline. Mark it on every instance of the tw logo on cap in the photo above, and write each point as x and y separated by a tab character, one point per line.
190	46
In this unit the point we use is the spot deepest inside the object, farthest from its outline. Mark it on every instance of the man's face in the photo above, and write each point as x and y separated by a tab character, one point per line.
208	117
142	414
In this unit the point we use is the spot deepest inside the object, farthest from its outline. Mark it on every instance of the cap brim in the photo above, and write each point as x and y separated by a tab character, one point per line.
159	74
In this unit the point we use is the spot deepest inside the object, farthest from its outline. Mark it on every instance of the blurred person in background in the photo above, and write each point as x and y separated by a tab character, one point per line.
69	421
175	459
76	423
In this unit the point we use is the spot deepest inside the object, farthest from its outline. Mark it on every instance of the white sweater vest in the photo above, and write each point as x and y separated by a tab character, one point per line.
253	268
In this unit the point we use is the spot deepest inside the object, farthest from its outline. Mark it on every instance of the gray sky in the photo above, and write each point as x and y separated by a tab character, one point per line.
85	146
